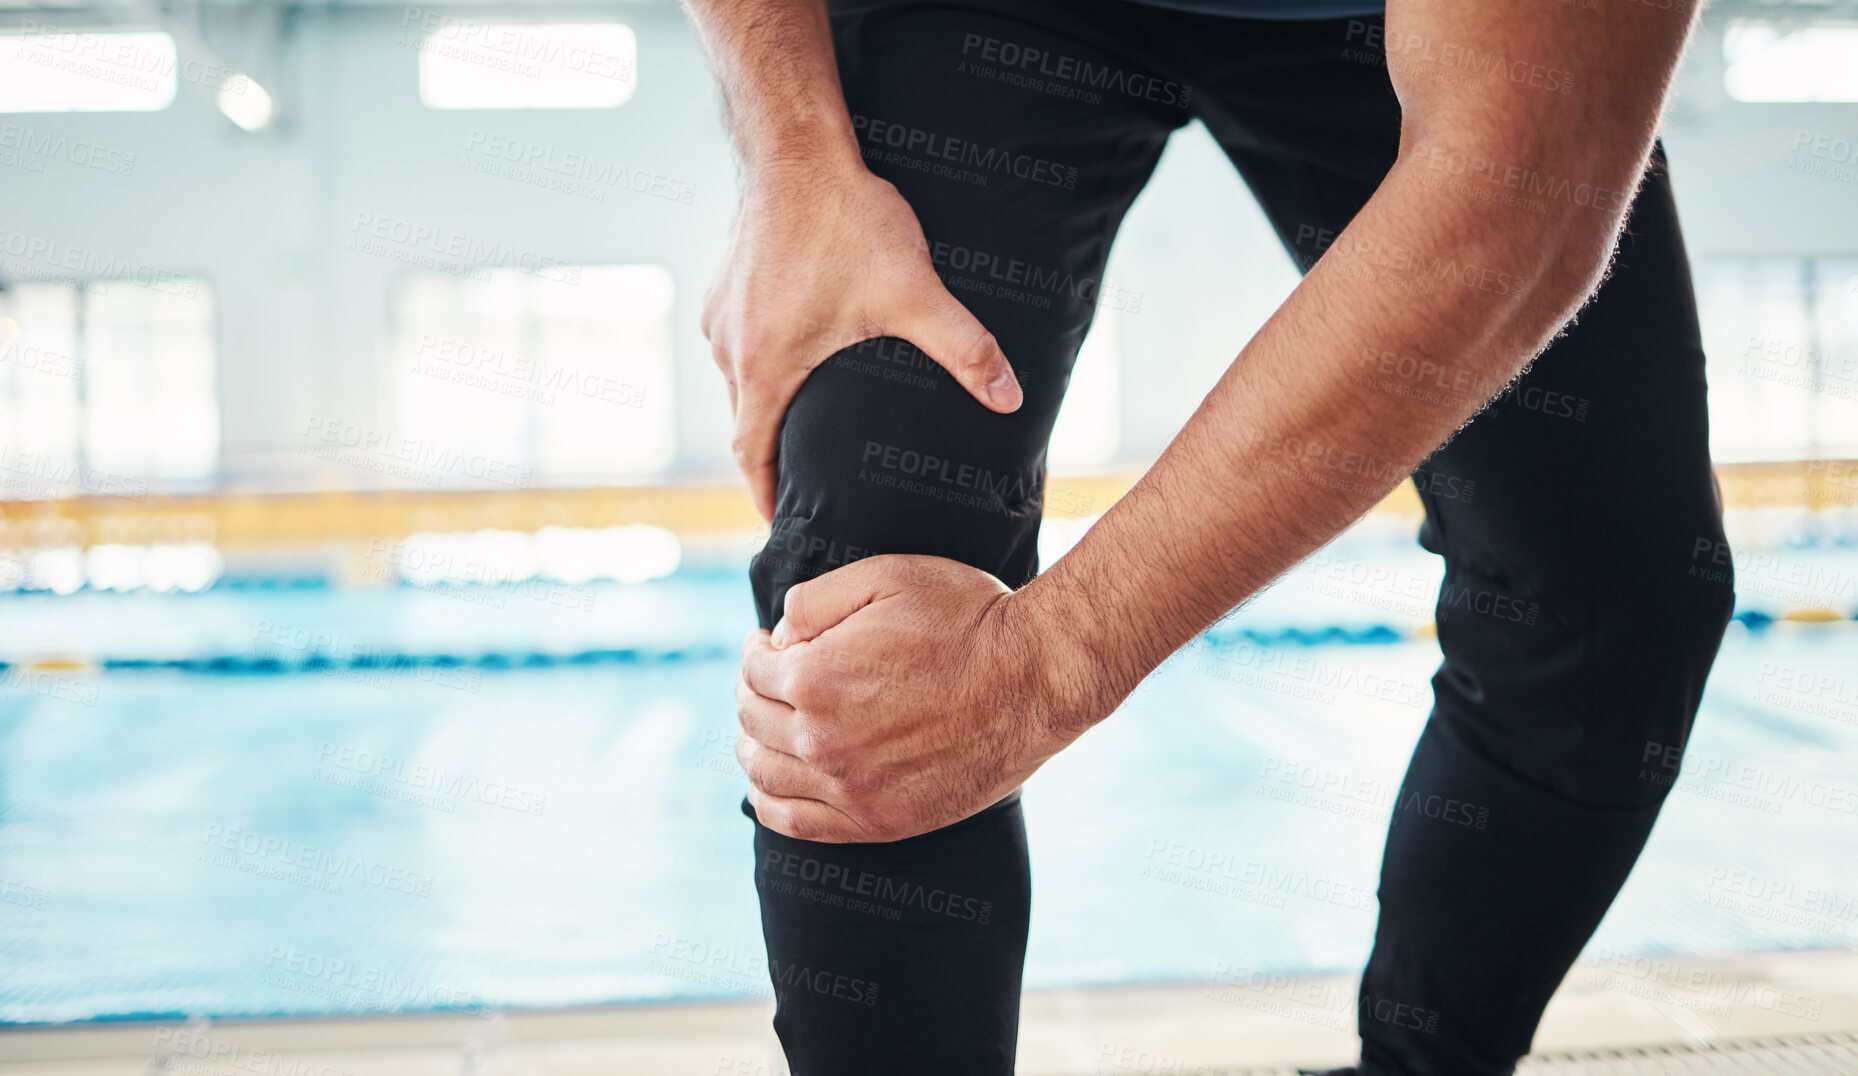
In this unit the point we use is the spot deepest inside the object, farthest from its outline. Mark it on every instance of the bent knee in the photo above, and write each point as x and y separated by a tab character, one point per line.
882	451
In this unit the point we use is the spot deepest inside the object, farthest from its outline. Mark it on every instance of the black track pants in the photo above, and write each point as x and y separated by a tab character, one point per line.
1576	517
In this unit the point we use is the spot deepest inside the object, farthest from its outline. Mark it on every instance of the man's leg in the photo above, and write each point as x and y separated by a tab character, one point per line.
1579	617
1578	518
907	957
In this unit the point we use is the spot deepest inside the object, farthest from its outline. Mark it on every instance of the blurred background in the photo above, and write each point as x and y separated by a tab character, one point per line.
372	571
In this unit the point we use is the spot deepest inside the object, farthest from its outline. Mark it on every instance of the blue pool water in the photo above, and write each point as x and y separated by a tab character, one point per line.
394	838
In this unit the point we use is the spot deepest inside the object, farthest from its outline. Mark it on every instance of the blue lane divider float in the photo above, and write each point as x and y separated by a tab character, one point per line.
1373	635
312	581
379	661
1757	620
272	664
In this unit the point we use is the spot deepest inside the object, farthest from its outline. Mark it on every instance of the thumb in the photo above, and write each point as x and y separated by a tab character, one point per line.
960	344
821	603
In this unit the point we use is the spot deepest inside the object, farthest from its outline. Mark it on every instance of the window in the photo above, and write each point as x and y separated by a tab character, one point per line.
53	69
106	387
40	417
463	64
1766	63
1782	339
561	378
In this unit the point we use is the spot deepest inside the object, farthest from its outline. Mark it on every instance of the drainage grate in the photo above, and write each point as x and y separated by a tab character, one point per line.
1833	1054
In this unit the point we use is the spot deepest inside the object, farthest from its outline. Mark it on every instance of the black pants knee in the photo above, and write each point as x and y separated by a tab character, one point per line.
930	932
882	451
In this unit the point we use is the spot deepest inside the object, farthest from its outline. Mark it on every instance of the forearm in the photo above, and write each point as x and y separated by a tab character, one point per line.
773	60
1314	422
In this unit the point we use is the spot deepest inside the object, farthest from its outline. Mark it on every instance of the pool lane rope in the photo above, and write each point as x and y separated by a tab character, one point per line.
377	660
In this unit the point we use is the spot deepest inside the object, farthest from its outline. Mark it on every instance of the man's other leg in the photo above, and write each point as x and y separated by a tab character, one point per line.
1581	611
907	957
1582	605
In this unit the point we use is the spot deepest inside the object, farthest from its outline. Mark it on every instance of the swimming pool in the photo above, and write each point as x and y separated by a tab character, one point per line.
529	798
